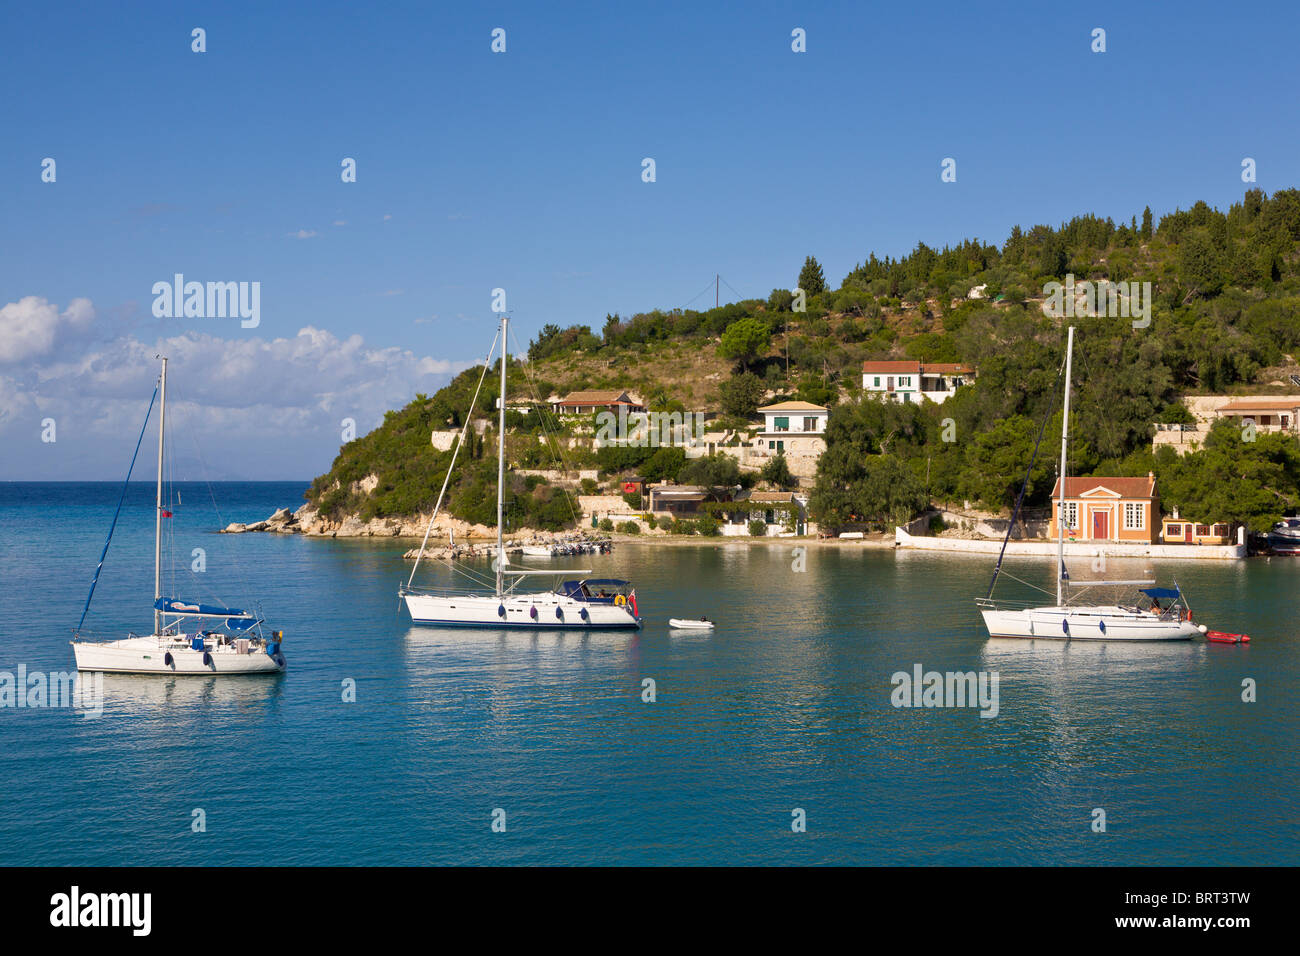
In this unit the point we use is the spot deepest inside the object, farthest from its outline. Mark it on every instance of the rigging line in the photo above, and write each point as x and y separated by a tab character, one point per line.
120	499
1015	513
241	580
469	420
552	437
704	291
739	297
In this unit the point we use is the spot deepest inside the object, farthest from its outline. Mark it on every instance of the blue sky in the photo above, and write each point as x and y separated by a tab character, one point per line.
522	170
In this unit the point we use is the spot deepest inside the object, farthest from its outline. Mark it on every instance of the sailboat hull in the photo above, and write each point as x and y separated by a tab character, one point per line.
544	611
1091	624
148	655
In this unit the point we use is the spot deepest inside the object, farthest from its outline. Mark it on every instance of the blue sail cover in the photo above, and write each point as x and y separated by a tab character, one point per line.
189	609
1154	593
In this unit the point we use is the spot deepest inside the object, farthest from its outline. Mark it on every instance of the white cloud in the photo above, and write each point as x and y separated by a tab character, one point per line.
256	404
340	222
305	234
30	327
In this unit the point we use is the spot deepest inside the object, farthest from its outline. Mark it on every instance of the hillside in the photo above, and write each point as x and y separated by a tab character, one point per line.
1224	317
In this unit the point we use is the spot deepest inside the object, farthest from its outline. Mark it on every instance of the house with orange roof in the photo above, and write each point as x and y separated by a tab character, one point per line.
1109	509
590	402
913	382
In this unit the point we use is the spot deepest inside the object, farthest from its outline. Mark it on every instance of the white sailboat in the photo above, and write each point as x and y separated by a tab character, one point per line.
1161	614
578	602
235	646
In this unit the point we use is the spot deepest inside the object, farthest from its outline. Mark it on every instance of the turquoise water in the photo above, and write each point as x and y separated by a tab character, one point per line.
787	705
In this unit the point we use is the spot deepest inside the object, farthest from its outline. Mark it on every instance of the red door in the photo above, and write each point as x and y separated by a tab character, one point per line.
1187	535
1100	526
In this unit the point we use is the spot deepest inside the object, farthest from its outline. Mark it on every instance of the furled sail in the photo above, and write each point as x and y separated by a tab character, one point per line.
190	609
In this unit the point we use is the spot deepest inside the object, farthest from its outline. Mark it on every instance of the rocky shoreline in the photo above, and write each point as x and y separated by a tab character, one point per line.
472	540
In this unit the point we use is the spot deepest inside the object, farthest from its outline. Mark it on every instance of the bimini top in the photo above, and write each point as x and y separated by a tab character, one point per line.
1154	593
594	590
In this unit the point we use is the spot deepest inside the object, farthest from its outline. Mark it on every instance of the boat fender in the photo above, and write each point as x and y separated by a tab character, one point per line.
632	601
1065	625
272	648
207	659
532	612
559	614
279	660
168	659
501	610
584	615
1102	625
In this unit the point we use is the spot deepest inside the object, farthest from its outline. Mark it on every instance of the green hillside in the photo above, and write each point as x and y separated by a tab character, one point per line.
1225	317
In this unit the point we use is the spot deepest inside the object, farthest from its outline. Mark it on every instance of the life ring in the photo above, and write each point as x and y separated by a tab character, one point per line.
620	600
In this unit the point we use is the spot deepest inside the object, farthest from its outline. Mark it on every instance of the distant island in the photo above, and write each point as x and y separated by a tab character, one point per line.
1224	323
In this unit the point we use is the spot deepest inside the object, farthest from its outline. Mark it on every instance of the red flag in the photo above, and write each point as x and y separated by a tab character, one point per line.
166	513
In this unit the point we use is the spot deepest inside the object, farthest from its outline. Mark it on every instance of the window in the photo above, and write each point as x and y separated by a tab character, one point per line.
904	381
1174	531
1072	515
810	424
781	423
780	446
1135	514
876	383
1202	530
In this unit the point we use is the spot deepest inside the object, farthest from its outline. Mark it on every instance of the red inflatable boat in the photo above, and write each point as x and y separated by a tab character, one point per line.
1219	637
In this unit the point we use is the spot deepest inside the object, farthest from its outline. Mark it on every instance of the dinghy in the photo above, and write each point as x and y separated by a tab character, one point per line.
689	624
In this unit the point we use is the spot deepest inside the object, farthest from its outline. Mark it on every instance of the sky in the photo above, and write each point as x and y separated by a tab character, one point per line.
523	170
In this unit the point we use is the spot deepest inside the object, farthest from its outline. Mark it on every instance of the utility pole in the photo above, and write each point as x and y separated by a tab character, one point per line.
716	289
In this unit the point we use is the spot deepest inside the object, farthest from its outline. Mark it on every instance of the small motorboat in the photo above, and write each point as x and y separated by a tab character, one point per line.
690	624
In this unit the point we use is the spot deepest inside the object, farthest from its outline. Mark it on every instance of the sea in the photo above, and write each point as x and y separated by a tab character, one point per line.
781	737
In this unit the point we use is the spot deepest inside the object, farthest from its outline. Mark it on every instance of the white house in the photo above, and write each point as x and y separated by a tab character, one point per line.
909	381
791	425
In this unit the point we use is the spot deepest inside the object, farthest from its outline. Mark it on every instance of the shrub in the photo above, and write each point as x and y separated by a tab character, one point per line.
651	522
588	486
758	528
681	526
630	527
707	525
633	499
606	525
937	524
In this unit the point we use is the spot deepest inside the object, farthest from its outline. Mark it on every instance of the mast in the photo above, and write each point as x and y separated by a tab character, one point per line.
158	508
501	453
1060	498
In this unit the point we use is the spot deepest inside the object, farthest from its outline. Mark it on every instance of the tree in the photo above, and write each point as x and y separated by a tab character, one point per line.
741	394
715	472
1146	223
780	300
811	279
777	471
745	339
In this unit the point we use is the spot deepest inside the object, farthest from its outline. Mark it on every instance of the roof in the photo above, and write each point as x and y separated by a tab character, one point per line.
766	497
678	491
905	366
597	398
1144	487
1259	405
793	407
